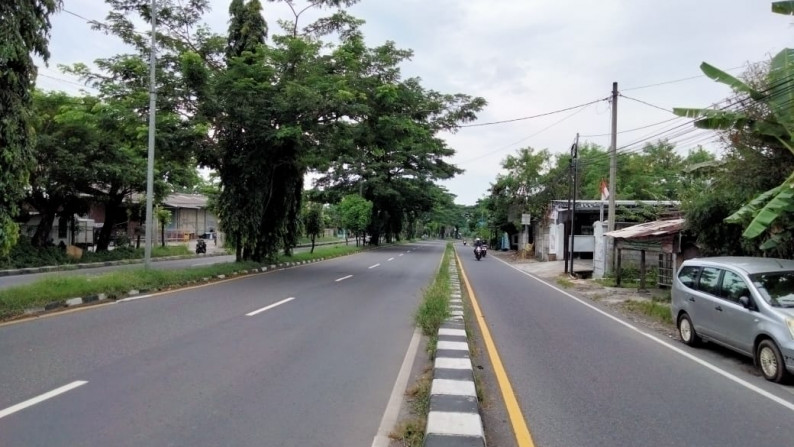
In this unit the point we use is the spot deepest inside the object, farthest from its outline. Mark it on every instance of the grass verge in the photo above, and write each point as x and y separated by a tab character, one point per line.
657	310
14	300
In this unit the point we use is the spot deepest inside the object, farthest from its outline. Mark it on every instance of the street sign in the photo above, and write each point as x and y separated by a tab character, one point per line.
526	219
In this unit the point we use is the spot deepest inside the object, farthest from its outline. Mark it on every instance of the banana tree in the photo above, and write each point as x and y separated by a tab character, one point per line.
776	127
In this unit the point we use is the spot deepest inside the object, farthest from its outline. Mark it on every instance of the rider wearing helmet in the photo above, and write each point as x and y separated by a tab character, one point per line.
477	242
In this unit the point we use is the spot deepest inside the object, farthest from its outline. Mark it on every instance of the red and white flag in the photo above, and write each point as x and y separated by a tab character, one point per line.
604	190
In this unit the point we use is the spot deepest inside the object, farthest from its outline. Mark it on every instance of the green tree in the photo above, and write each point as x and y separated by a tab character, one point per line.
25	32
313	221
66	138
122	116
355	212
163	216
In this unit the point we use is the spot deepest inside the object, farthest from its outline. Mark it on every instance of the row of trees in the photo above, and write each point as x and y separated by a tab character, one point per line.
262	110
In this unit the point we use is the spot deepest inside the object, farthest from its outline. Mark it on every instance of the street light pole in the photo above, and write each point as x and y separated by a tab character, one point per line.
150	163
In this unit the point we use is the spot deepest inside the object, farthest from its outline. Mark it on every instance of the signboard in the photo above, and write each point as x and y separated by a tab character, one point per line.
526	219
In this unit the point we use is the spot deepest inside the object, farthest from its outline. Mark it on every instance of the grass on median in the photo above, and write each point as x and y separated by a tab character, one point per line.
434	308
14	300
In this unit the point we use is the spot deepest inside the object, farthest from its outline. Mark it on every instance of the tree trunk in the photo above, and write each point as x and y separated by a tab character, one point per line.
42	235
162	233
238	248
111	210
312	250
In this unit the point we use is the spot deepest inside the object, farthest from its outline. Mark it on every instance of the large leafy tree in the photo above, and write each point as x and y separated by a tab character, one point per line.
391	152
122	117
66	141
24	32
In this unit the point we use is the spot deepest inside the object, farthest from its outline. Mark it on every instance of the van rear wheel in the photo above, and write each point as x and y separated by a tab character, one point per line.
770	361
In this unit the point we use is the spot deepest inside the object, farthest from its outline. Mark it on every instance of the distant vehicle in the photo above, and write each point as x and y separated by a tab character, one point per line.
745	304
201	246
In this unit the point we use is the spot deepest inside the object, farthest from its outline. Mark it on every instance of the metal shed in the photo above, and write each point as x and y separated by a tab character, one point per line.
660	236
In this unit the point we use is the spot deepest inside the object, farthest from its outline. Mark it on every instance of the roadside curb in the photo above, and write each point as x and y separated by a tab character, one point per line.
454	417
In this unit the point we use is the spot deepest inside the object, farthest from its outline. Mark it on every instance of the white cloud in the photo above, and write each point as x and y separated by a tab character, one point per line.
529	57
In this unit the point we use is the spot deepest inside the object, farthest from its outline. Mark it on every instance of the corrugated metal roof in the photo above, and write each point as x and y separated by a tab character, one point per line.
648	229
192	201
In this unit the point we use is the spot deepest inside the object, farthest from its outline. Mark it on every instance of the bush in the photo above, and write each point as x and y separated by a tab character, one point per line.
23	254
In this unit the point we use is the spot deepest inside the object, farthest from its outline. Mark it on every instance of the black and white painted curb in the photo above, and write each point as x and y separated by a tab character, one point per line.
454	418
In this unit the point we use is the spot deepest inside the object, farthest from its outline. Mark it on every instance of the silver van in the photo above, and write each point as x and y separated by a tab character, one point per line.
745	304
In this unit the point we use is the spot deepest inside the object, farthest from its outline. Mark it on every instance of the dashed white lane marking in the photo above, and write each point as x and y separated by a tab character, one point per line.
41	398
251	314
401	254
133	298
373	266
344	278
390	259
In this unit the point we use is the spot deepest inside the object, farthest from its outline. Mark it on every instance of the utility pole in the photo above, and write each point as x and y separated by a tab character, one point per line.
147	250
567	234
575	151
613	162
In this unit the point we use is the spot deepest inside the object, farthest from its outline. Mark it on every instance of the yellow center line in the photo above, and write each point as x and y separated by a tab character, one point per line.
520	429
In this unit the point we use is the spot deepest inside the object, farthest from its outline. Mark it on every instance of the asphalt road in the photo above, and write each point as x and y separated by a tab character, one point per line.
305	356
584	377
15	280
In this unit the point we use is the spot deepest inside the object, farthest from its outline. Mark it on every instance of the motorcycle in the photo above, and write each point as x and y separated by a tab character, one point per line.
484	250
201	247
478	252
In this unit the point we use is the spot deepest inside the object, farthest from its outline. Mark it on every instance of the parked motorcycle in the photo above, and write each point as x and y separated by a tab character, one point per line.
478	252
201	246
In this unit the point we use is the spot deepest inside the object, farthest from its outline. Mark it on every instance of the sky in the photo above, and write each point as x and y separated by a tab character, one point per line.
527	58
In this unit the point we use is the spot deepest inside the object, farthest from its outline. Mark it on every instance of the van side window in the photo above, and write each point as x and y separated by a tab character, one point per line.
734	287
688	274
710	281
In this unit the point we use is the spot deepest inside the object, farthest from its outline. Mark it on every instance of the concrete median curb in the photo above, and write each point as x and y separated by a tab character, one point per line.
454	417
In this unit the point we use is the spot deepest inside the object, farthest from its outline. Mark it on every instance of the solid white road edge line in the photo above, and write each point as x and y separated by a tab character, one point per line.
392	412
41	398
675	349
344	278
251	314
373	266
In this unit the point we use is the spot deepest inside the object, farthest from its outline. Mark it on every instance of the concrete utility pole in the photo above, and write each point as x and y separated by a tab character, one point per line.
147	251
613	162
575	150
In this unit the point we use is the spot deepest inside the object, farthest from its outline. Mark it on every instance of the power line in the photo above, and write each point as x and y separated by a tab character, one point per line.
66	81
632	130
639	87
534	116
527	137
646	103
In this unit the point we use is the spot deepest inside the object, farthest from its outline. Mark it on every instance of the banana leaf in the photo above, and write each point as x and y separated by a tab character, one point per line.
731	81
713	119
782	201
785	7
